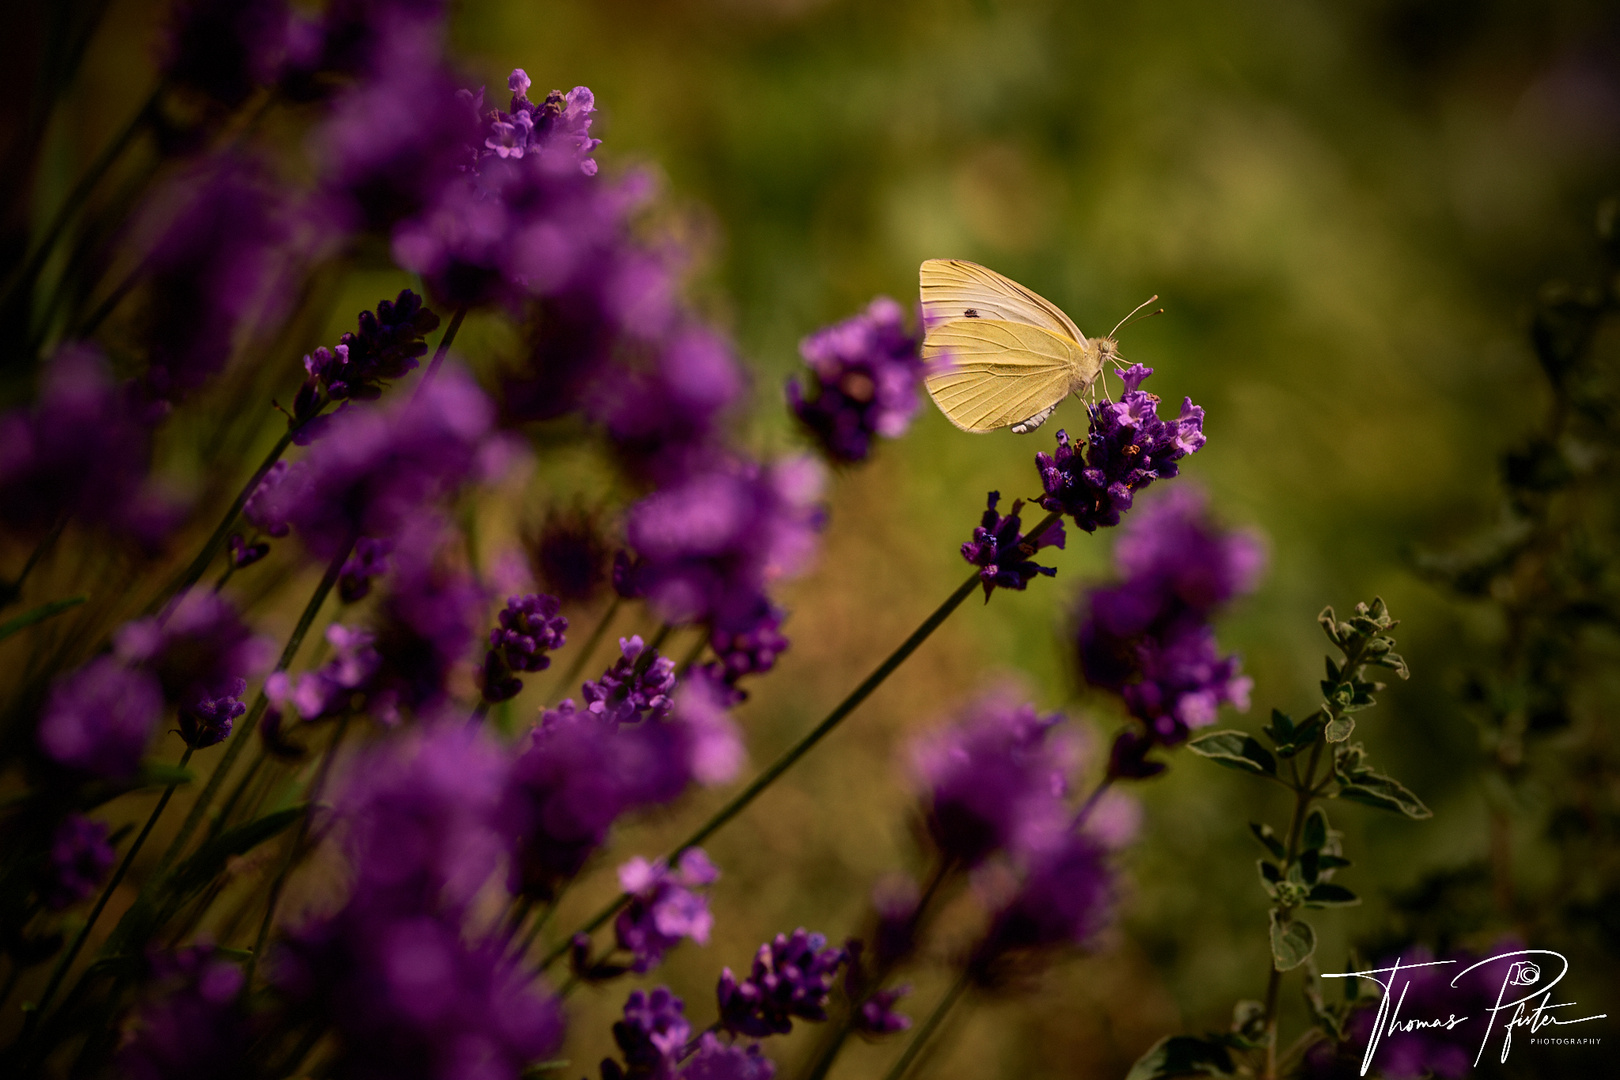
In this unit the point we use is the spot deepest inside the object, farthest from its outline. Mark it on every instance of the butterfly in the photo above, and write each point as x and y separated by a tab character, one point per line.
998	354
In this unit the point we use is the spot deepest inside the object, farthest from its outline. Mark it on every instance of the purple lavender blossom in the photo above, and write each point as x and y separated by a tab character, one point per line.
328	690
99	718
266	508
195	1026
714	747
792	977
200	650
1148	638
715	1060
205	720
426	625
996	781
1066	898
529	628
876	1016
385	346
709	545
224	49
569	555
868	374
560	125
368	562
1128	448
666	415
1002	553
664	906
632	690
378	467
82	451
215	260
79	861
244	554
751	650
651	1036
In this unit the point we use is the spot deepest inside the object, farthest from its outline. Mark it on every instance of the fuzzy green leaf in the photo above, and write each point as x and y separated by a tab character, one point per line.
1292	942
1339	730
1373	789
1235	750
1315	834
1326	895
1268	839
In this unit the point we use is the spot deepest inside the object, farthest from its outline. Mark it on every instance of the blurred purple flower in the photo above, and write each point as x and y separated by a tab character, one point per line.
750	650
665	417
82	451
713	745
715	1060
664	906
632	690
1127	448
79	860
99	718
224	49
529	628
328	690
1002	553
876	1016
792	977
244	554
195	1026
217	258
266	508
1065	899
868	376
426	625
378	467
206	720
369	562
651	1036
996	781
1148	638
200	650
709	545
569	555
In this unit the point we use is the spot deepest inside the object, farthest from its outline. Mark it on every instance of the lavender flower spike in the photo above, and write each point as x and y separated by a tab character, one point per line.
624	695
664	906
1002	553
791	978
868	372
529	628
652	1036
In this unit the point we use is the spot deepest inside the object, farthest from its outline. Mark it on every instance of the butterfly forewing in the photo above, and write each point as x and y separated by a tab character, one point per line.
988	373
956	289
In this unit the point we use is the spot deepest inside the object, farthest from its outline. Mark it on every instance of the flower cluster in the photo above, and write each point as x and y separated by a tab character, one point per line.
384	347
194	1025
1128	447
1003	554
868	372
78	862
368	563
1148	638
791	978
634	688
664	906
529	628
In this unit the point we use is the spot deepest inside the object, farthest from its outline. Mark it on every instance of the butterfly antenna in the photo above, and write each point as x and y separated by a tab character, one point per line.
1134	310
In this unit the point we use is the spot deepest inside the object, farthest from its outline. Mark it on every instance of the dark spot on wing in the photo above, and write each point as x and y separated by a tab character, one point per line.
970	313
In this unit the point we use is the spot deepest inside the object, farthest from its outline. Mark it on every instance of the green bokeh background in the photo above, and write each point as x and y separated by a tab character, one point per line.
1346	208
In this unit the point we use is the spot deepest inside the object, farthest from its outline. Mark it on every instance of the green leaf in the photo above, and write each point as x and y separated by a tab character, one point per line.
1310	866
1270	876
1235	750
162	774
1281	728
1268	838
1315	835
1330	625
1304	736
1340	729
48	610
1326	895
1332	862
1373	789
1182	1055
203	867
1292	942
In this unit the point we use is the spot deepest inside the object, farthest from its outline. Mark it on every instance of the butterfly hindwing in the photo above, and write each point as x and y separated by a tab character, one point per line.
988	373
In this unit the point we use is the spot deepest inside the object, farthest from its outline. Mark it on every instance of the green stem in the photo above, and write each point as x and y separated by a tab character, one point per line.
791	756
294	850
1304	795
926	1032
10	592
199	565
244	731
62	965
40	614
583	656
442	351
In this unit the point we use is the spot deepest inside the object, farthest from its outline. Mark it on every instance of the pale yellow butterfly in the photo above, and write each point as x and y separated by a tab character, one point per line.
998	354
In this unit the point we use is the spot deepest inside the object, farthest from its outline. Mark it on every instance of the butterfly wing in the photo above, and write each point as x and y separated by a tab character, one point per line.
988	373
958	289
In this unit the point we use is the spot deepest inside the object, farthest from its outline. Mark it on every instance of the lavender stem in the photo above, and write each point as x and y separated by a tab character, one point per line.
935	1018
442	351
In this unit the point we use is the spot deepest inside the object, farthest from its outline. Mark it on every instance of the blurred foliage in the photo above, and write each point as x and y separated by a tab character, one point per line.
1347	209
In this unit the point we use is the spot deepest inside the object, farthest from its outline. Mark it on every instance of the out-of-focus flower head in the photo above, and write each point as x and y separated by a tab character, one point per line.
750	650
193	1025
378	467
1065	899
716	1060
201	652
569	554
876	1016
996	781
330	688
99	718
652	1036
218	258
79	860
868	374
426	625
791	978
224	49
1003	554
664	906
1127	448
82	451
205	721
369	562
710	545
244	554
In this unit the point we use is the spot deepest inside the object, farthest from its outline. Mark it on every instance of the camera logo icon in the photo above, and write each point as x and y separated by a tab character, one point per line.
1523	973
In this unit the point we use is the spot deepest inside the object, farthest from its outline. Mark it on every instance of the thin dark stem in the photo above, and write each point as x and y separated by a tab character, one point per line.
294	851
1091	802
480	711
75	200
199	565
110	304
443	350
62	965
791	756
583	656
1303	798
926	1032
244	731
9	593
